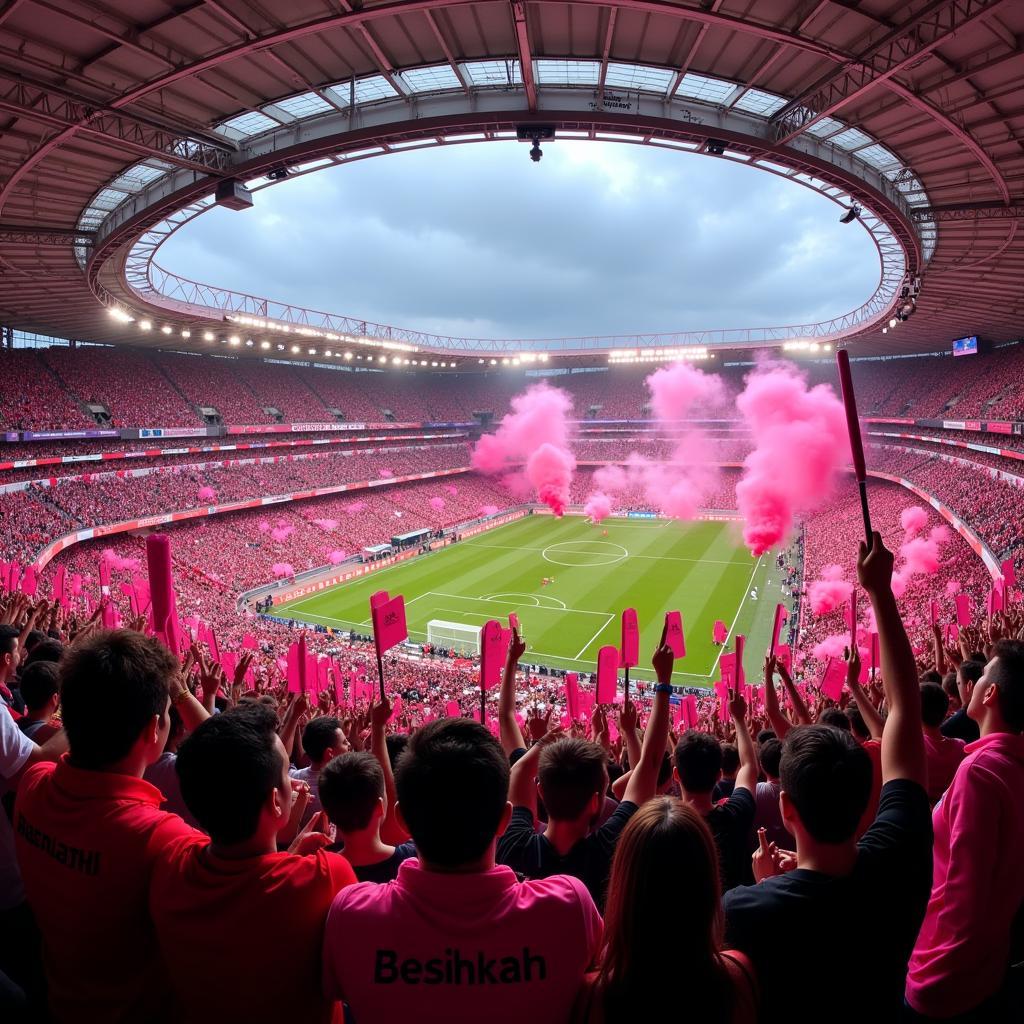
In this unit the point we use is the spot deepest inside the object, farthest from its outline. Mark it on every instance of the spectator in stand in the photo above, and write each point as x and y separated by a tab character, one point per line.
322	740
942	753
572	779
768	815
456	937
206	894
10	659
666	839
961	957
698	767
40	690
960	725
823	905
88	829
730	766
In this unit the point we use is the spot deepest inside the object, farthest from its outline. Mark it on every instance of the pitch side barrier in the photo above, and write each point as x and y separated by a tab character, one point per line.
1006	453
980	426
47	554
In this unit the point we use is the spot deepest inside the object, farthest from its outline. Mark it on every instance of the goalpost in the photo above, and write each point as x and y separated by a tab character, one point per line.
454	636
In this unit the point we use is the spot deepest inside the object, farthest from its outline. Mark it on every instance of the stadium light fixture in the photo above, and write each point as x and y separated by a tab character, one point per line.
295	350
494	362
208	336
544	357
851	214
348	355
383	359
893	322
144	325
236	341
186	333
166	329
120	315
264	345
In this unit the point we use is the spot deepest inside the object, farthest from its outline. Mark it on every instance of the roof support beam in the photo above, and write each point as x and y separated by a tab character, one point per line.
1013	210
447	51
903	46
609	33
525	54
16	234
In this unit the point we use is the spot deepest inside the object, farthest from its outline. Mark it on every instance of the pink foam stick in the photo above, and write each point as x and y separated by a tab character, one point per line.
30	581
690	716
741	642
876	659
727	667
572	695
780	617
491	660
630	653
963	609
853	618
674	636
933	612
607	674
161	582
452	709
833	678
784	656
303	664
513	620
1009	572
380	597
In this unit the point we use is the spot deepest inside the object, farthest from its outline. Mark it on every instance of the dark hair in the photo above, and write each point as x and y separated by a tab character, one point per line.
971	671
35	636
319	734
835	718
827	775
8	638
730	759
112	684
698	758
770	755
227	769
350	786
934	704
858	726
452	784
949	684
1008	678
766	734
39	682
396	744
45	650
570	772
643	918
931	676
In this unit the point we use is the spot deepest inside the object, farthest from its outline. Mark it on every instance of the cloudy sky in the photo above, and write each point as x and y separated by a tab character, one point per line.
598	238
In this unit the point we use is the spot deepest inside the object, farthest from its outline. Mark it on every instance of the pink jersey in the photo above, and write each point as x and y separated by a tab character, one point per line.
460	947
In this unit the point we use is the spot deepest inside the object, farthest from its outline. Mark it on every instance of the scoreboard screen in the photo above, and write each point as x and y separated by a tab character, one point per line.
965	346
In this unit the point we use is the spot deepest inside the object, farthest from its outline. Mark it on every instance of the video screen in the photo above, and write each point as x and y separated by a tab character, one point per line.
965	346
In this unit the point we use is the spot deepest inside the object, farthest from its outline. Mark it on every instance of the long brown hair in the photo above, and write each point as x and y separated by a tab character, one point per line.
663	918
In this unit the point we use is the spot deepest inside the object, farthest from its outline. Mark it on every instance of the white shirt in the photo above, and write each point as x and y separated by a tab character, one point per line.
15	750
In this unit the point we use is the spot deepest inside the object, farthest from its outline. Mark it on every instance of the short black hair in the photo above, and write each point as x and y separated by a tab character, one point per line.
570	772
971	671
1009	681
766	734
39	682
452	784
698	758
835	718
227	769
8	638
858	726
45	650
112	684
396	744
349	789
770	755
730	759
827	775
934	704
931	676
318	735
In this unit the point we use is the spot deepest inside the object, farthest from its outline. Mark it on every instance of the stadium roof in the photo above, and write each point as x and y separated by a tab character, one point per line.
115	127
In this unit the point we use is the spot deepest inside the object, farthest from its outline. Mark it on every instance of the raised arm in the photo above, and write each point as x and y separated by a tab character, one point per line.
380	715
800	710
779	722
629	733
643	782
872	719
510	735
938	650
903	754
746	777
522	786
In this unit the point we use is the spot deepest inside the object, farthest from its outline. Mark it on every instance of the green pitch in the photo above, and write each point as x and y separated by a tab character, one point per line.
652	565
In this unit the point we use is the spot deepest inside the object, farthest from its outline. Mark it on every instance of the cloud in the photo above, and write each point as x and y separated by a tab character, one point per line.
600	238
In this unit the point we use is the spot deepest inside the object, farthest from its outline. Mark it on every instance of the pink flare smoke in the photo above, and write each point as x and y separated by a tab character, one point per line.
282	569
913	519
207	494
328	525
611	479
437	504
355	507
537	430
337	557
953	587
800	444
549	469
452	490
831	647
598	506
116	562
386	473
830	591
487	510
264	526
677	388
281	533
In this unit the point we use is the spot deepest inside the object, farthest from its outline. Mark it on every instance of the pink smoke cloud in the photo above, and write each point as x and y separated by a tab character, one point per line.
922	556
830	591
264	526
831	647
452	490
800	444
336	557
116	562
598	506
437	504
355	507
281	533
536	431
282	569
953	587
676	389
328	525
386	473
487	510
913	519
207	494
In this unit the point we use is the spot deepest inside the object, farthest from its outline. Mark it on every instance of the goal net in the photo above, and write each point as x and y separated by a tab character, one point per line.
455	636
